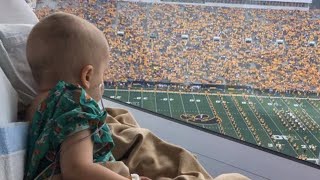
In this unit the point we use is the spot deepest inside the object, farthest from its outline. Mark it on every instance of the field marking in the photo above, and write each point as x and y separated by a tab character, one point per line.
297	132
115	95
184	110
291	111
142	99
313	107
317	102
310	116
261	125
219	124
224	110
200	93
169	105
254	96
199	111
155	101
196	104
234	103
308	113
128	95
303	122
276	125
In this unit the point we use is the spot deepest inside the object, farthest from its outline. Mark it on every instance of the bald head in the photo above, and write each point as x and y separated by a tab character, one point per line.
60	45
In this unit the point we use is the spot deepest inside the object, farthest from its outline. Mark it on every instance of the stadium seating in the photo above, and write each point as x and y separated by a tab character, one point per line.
152	48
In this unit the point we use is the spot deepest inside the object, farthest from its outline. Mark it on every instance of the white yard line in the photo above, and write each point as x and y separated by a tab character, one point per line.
317	101
228	119
169	105
219	125
276	125
308	113
142	99
196	103
313	106
303	140
210	103
128	95
243	119
304	125
262	126
309	116
116	93
155	101
184	110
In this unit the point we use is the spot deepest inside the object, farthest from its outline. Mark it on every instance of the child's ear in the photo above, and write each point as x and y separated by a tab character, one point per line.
86	76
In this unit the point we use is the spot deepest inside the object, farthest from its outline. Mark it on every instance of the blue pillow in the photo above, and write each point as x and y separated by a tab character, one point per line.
13	137
13	142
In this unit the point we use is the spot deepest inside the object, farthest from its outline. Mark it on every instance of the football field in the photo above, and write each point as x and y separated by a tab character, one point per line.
290	125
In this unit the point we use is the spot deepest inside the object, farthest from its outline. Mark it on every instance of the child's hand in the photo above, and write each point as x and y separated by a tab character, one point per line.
144	178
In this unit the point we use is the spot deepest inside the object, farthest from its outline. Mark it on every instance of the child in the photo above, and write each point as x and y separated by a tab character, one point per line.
68	136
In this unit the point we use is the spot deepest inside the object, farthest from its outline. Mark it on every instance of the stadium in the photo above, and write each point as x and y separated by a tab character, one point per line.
247	69
250	73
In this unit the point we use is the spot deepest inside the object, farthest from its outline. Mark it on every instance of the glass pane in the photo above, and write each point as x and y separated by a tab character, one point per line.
248	73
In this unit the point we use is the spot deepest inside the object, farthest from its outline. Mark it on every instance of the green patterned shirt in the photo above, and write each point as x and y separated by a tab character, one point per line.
67	110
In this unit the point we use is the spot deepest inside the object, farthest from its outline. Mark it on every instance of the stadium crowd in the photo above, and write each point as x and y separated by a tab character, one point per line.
244	52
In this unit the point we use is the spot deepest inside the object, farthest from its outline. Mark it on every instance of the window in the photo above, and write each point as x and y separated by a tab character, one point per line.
227	70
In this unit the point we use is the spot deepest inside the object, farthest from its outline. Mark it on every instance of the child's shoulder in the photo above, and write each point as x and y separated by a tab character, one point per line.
39	102
34	105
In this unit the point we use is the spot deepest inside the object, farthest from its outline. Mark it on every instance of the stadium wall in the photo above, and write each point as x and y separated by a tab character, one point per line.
250	6
303	5
296	1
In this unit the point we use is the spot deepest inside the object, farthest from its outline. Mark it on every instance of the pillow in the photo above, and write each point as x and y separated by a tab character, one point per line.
9	100
13	60
16	12
13	145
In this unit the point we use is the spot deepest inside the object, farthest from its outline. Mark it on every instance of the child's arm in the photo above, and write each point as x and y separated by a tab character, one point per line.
76	160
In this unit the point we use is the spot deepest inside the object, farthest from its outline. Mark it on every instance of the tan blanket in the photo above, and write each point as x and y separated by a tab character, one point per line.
143	153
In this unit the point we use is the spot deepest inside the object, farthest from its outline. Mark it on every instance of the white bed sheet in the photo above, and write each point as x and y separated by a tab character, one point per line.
16	12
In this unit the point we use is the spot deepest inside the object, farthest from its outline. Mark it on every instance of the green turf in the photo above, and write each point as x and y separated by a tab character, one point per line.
255	117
